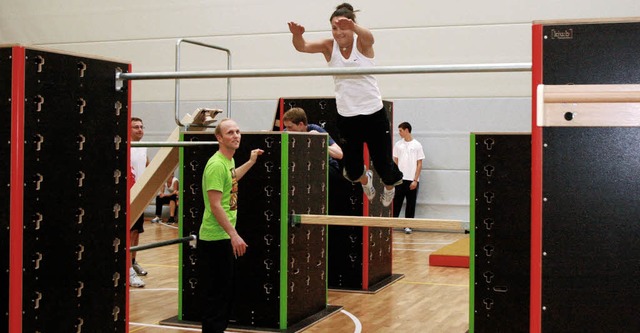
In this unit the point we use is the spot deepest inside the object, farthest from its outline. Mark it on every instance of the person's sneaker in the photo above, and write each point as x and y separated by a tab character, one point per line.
138	269
368	189
387	196
134	280
156	219
171	220
408	231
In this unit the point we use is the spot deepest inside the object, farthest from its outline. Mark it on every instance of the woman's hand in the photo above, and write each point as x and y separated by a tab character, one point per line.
296	28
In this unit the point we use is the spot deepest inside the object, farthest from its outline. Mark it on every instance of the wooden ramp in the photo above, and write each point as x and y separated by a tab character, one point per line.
452	255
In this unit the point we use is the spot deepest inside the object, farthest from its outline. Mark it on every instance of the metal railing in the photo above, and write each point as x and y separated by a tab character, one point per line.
246	73
173	144
177	79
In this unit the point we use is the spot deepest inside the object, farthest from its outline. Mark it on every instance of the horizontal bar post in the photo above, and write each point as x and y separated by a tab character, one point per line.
373	221
248	73
189	239
173	144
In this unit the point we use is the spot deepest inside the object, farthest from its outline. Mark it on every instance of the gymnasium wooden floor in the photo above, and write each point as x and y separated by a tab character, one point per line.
428	299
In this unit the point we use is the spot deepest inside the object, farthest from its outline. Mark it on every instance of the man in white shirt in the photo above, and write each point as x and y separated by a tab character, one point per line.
408	155
139	162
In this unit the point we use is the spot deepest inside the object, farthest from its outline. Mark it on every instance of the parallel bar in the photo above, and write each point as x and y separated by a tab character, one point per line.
188	239
246	73
367	221
173	144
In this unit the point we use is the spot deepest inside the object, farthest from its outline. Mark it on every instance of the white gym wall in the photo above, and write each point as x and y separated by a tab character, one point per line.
443	108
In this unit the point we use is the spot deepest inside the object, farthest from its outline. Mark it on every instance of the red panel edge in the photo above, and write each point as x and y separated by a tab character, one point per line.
281	113
17	189
129	185
535	314
365	231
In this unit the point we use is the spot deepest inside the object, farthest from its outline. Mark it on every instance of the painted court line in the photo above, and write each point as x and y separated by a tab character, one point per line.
168	327
355	320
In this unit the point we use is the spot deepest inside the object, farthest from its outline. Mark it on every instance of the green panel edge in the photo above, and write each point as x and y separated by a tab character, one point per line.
284	228
472	231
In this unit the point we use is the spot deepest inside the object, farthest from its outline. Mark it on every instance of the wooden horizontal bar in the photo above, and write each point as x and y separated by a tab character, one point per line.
372	221
590	115
597	105
592	93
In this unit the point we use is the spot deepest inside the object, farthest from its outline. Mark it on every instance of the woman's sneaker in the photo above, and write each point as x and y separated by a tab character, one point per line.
134	280
156	219
387	196
368	189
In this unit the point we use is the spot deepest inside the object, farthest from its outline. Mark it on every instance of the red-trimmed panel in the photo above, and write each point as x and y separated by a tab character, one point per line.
535	325
17	189
365	230
129	185
281	113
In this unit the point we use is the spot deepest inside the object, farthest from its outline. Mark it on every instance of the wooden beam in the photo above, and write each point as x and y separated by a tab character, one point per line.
592	93
370	221
598	105
163	164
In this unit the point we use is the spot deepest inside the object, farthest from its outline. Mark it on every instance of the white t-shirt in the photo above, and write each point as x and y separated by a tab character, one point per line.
138	161
169	190
408	154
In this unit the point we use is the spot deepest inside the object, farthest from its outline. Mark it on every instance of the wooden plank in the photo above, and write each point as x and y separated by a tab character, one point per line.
163	164
591	93
597	105
373	221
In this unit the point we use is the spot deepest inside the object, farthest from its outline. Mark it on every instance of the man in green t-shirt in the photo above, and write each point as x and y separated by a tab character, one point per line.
219	244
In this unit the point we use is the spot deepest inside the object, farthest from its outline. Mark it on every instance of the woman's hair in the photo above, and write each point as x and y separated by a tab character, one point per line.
344	10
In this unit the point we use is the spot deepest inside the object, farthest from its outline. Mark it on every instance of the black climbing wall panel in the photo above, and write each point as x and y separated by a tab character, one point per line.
263	211
501	231
5	152
348	245
590	213
74	164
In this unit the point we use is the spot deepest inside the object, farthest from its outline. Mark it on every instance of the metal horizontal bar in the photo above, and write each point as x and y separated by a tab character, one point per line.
187	239
173	144
248	73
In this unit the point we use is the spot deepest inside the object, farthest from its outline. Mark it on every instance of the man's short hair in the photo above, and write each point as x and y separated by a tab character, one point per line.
405	126
218	131
295	115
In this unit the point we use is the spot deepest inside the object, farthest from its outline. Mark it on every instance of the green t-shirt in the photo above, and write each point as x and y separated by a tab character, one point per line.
219	175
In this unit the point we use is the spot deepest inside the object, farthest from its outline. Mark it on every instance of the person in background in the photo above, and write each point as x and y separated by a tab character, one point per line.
361	114
295	120
219	244
408	155
139	162
168	195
